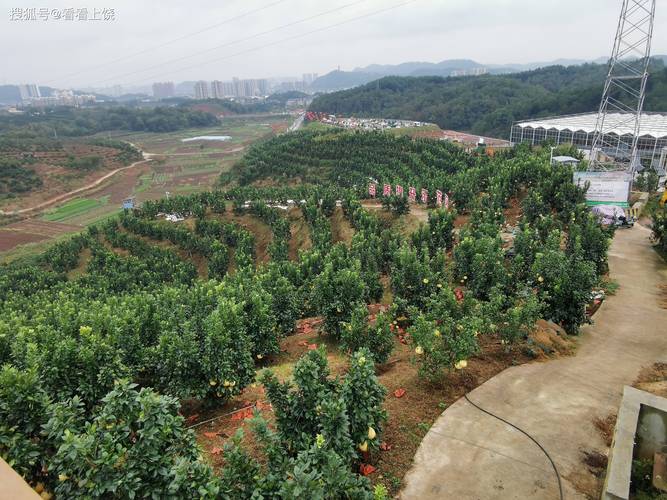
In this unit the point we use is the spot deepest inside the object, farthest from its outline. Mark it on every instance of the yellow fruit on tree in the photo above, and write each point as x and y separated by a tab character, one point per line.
461	364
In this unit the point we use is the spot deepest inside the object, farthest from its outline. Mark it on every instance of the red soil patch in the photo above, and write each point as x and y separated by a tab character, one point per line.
279	128
300	233
341	229
31	231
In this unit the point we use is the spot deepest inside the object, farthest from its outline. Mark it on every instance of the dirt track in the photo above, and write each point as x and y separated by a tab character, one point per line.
70	194
468	454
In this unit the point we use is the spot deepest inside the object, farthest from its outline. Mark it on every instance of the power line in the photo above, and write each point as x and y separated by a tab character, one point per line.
234	42
369	14
169	42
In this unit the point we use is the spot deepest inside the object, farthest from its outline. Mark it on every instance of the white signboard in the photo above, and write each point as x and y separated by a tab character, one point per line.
605	187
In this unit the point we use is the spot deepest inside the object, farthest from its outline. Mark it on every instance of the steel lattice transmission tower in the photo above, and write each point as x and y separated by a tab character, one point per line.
624	89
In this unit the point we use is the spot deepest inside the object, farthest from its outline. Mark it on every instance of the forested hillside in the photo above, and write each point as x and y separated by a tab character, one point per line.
74	122
485	105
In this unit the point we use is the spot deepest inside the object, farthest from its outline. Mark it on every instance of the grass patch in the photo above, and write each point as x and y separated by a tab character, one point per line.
73	208
610	286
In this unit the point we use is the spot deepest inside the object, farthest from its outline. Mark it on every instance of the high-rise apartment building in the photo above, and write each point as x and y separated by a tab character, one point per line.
163	90
217	89
309	78
228	89
201	90
239	88
29	91
263	87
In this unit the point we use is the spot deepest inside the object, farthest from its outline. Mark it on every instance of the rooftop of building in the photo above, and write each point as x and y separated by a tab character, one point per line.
651	124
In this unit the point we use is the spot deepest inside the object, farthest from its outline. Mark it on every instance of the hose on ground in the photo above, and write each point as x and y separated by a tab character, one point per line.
546	453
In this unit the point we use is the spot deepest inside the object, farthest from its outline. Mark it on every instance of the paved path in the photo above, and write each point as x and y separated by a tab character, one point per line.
470	455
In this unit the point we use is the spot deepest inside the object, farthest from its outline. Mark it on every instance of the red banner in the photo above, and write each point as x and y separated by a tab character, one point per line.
446	201
386	190
412	194
438	198
399	190
371	189
424	196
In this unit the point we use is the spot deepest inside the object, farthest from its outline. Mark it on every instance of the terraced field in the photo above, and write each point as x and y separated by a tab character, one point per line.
176	168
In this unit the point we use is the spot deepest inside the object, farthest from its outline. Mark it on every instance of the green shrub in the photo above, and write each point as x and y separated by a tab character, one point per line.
659	228
412	278
23	410
397	204
285	304
479	264
135	446
593	239
377	337
218	366
564	283
314	400
517	321
258	312
335	294
363	396
441	226
316	471
443	345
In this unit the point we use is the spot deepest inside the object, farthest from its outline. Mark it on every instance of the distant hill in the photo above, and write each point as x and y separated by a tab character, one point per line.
341	80
488	104
9	94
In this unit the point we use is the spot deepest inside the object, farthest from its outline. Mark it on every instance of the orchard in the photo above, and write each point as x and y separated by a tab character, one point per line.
105	338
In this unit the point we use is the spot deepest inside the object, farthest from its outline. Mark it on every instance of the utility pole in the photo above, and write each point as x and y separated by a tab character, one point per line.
624	89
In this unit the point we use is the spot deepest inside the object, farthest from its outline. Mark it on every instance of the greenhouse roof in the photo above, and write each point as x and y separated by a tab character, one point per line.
652	124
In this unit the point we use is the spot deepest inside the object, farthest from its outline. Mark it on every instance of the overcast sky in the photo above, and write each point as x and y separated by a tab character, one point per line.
64	53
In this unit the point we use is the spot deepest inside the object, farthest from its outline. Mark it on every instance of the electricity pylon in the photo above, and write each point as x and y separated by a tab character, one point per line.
625	88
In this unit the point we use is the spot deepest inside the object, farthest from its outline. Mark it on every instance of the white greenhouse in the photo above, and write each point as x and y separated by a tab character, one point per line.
579	130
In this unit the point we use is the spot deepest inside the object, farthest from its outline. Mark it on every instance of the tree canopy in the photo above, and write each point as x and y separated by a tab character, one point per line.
488	104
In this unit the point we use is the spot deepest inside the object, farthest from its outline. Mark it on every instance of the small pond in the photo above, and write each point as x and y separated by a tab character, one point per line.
208	138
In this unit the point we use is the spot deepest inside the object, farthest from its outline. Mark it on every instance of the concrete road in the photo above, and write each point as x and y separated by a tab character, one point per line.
297	123
468	454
